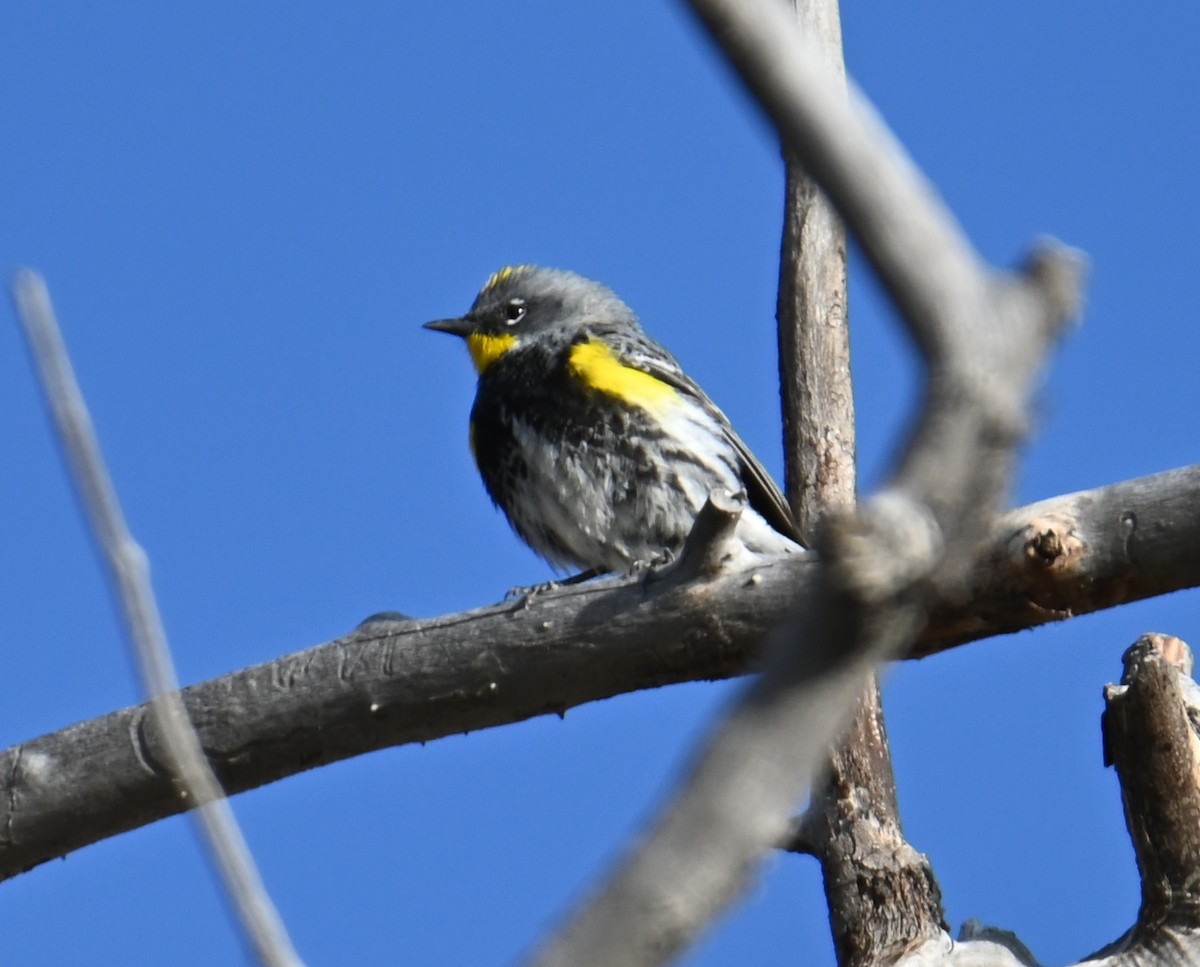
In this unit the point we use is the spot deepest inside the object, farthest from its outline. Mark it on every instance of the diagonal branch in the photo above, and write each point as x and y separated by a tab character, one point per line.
983	336
129	572
872	595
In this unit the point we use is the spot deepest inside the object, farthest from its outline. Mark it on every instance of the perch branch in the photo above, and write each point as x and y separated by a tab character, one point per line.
392	682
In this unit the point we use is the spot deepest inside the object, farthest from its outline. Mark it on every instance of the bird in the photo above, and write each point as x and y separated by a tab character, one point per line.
589	436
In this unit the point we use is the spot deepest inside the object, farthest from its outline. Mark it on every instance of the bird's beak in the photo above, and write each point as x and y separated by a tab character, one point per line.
456	327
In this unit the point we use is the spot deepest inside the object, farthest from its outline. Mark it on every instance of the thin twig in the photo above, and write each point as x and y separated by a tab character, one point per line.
128	569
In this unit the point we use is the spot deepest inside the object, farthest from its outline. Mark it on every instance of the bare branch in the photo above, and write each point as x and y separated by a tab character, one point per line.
883	897
394	681
983	337
814	344
1152	737
882	894
1076	554
1151	728
710	547
954	307
129	572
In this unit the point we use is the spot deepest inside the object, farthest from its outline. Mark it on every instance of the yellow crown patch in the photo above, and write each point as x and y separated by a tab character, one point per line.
502	275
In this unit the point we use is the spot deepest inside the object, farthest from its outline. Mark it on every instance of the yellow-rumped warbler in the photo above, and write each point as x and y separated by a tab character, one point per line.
589	435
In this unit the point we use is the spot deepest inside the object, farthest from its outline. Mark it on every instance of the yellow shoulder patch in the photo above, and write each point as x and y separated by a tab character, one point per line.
485	349
596	365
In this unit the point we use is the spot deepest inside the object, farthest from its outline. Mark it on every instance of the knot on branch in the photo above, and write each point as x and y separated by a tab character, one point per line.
1047	547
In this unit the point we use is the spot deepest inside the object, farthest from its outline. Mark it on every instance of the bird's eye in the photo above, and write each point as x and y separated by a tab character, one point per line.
514	312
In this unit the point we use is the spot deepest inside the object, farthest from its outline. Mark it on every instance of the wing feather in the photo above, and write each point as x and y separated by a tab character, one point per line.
762	492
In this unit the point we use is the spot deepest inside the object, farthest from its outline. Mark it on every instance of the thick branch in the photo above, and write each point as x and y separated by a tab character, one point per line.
1151	724
393	682
1076	554
882	895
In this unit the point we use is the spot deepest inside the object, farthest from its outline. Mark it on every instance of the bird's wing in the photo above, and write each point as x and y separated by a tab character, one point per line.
761	491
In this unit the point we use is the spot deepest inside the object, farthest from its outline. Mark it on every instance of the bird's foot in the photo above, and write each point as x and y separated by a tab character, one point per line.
652	569
524	596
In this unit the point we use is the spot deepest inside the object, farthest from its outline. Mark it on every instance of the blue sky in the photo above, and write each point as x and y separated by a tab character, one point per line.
244	212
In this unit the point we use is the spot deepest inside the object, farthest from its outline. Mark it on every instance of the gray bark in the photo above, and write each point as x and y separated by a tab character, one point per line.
393	682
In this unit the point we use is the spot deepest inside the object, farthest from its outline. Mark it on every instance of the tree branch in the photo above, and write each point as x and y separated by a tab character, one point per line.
1076	554
129	574
814	344
1151	727
392	682
984	337
1152	738
882	895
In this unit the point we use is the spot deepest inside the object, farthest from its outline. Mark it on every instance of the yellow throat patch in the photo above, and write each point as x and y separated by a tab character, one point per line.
485	350
596	365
